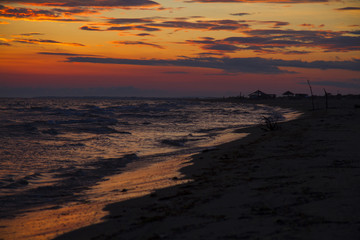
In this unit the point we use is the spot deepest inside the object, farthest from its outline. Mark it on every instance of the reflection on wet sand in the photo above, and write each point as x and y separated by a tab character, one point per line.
51	220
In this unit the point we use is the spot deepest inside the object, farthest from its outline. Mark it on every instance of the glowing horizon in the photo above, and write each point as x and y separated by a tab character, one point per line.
180	48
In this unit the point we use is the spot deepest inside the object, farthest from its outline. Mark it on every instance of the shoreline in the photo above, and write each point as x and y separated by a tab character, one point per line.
83	208
201	178
299	182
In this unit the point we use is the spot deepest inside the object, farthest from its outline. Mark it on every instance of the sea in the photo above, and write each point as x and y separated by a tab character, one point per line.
53	150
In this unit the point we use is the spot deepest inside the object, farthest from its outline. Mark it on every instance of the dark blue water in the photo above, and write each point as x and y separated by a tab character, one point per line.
54	148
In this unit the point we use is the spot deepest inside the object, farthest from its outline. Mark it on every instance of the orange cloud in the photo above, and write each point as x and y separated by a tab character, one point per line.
4	42
87	3
42	14
138	43
43	41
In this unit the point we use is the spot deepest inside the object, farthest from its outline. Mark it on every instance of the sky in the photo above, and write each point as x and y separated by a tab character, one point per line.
178	47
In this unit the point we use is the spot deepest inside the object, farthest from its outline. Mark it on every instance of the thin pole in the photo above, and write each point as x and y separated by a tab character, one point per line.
326	99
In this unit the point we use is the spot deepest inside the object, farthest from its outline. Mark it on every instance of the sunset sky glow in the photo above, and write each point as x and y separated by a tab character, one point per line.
178	47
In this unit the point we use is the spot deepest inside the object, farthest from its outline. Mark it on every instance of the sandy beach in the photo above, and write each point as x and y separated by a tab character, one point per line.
298	182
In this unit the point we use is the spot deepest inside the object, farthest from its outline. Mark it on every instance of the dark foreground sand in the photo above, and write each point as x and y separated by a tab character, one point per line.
299	182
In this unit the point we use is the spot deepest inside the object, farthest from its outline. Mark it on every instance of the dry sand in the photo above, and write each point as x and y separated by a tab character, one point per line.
299	182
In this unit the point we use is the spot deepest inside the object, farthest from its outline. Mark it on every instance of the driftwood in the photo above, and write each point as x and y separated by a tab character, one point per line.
270	124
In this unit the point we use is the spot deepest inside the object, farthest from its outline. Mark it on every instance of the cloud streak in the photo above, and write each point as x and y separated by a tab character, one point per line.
240	14
55	14
156	24
278	41
210	25
136	27
348	9
64	54
138	43
3	43
31	34
43	41
245	65
87	3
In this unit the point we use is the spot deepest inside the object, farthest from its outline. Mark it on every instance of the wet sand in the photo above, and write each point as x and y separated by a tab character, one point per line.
51	220
298	182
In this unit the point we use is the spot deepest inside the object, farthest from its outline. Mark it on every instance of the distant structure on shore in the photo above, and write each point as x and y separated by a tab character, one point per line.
301	95
261	95
289	94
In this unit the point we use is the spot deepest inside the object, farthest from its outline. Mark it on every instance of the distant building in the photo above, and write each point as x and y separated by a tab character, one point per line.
261	95
288	94
257	94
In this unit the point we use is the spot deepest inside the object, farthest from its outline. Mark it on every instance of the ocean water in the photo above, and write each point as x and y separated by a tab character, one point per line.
54	149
